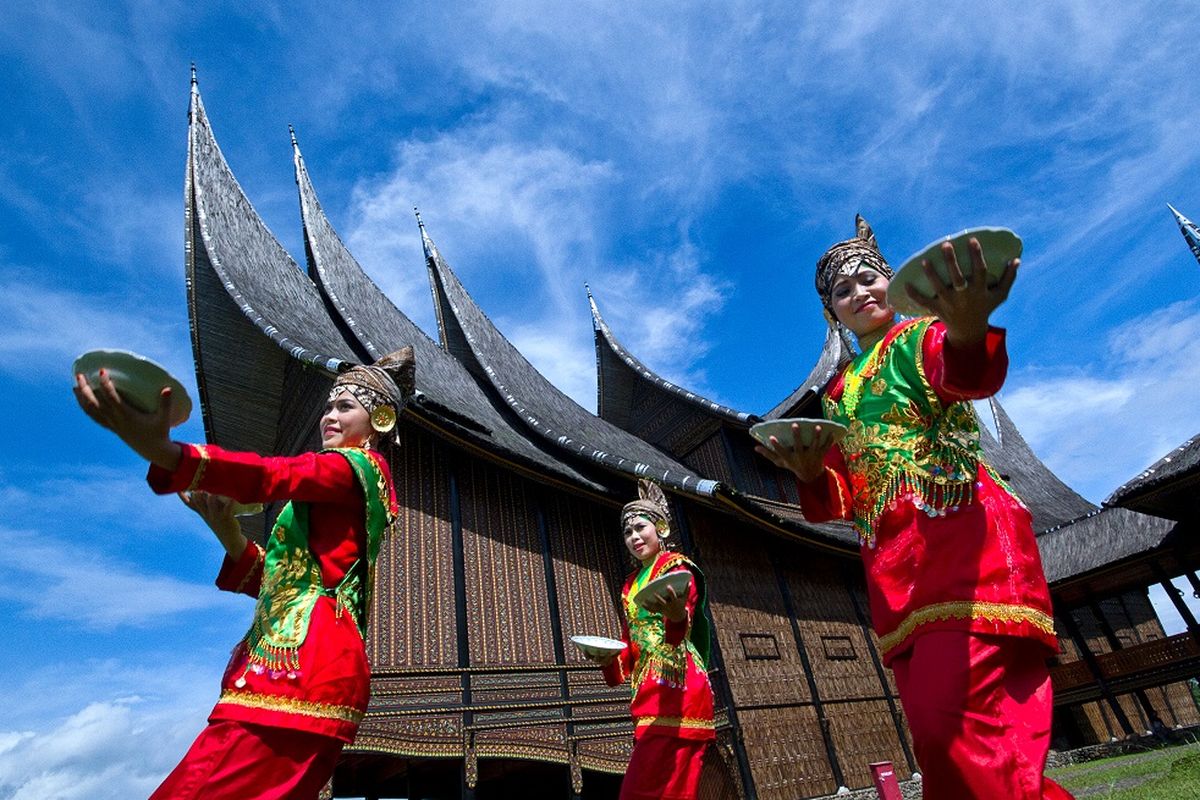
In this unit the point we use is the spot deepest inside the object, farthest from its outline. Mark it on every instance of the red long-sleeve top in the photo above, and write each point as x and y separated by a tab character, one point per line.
974	567
661	706
329	693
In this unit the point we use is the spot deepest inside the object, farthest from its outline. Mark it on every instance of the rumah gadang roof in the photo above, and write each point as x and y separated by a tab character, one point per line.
448	398
1051	502
634	398
1170	487
473	339
265	349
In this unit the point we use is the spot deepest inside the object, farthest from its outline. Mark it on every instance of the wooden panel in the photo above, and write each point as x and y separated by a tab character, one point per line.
744	597
837	647
508	620
585	541
412	615
787	757
710	460
863	733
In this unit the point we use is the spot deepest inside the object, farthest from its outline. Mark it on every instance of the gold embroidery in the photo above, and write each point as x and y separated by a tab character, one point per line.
697	723
203	451
877	386
292	705
967	609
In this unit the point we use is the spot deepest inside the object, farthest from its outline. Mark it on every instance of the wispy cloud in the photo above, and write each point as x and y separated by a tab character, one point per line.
47	578
1136	404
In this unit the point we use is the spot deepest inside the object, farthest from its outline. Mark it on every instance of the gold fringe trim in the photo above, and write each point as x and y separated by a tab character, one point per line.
292	705
967	609
692	723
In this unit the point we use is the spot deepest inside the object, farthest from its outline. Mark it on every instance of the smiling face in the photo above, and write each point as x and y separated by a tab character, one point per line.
641	539
859	300
345	422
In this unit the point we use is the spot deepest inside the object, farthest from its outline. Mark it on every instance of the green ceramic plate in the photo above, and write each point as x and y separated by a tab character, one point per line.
598	645
781	429
1000	245
138	380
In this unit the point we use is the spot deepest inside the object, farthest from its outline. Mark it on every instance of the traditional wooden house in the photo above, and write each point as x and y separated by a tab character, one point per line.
508	541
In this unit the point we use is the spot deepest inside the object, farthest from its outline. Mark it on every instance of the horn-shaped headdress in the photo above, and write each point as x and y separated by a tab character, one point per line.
382	388
848	256
651	504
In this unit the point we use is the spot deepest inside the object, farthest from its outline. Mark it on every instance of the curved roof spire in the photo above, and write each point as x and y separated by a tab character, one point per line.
554	417
635	398
448	400
1191	233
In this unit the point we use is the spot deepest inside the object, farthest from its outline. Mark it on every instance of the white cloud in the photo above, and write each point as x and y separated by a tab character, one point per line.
100	730
1134	406
44	326
52	579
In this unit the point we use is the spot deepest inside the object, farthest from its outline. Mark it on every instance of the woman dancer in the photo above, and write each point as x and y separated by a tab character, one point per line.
665	661
297	684
957	592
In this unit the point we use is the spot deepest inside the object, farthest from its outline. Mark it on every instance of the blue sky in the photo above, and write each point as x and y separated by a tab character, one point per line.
691	161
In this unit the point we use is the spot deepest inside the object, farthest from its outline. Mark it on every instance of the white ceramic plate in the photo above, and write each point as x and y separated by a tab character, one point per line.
679	581
598	645
1000	245
781	429
138	380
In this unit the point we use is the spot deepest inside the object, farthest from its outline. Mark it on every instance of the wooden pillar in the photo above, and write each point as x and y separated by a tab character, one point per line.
1195	582
1114	643
721	685
1089	659
468	771
849	580
560	656
1165	582
789	606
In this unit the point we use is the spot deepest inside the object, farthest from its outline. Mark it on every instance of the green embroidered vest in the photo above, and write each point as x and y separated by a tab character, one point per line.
903	444
647	630
292	584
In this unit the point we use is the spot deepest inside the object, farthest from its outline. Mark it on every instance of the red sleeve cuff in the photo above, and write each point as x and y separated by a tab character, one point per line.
972	372
186	476
245	574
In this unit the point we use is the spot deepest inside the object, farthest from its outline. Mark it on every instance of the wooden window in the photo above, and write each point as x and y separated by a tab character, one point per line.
760	646
838	648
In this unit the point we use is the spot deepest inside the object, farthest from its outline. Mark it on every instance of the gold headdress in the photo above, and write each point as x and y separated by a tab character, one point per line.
382	388
651	504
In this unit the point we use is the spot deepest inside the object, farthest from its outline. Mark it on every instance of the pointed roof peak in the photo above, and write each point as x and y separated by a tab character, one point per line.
1190	231
194	74
597	320
431	250
292	133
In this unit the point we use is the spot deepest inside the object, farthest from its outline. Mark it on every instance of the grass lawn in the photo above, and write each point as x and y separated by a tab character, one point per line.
1172	773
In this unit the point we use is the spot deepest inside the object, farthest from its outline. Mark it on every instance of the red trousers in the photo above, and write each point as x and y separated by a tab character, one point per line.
663	768
979	709
238	761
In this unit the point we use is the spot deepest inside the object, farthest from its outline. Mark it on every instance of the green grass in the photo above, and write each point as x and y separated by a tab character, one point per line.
1172	773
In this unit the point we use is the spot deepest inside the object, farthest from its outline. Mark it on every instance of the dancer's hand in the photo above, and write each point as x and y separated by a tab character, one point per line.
217	512
669	603
601	660
965	302
806	457
147	434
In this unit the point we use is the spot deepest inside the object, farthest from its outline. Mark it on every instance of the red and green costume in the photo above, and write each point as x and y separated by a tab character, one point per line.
948	550
666	665
298	683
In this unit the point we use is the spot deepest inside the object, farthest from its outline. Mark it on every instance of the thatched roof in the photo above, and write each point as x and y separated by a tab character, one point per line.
1169	488
636	399
472	338
448	397
265	349
1051	502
